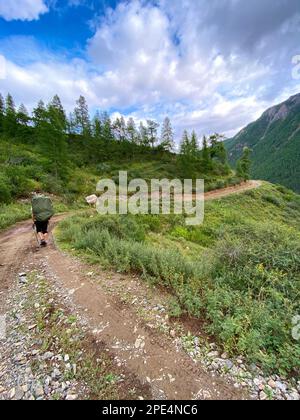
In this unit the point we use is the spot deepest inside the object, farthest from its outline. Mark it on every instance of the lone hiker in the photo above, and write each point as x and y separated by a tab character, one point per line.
42	211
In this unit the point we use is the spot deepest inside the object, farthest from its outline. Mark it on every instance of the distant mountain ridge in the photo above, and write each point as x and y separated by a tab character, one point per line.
275	142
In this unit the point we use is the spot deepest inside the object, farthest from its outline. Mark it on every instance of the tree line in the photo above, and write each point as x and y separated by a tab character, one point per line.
99	138
79	122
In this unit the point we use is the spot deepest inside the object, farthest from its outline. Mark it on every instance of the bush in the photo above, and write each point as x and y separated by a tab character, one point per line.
273	200
112	241
123	227
12	213
5	191
19	183
255	294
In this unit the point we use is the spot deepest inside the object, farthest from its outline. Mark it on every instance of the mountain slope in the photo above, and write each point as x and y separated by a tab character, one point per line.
275	141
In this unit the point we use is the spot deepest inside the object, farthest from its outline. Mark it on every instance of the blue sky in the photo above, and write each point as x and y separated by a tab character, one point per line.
210	65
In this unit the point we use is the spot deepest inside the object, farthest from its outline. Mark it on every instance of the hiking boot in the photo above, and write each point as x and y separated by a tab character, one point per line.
43	243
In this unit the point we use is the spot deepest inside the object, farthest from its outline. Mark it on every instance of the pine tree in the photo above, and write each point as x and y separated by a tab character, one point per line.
10	104
152	127
71	124
167	136
10	120
23	119
97	126
50	124
185	144
131	131
221	153
107	128
39	114
186	157
143	135
206	154
123	131
57	107
244	165
194	146
54	141
41	122
214	141
2	112
119	129
82	118
23	115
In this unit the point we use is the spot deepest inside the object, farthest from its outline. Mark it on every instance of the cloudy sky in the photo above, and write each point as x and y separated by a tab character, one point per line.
210	65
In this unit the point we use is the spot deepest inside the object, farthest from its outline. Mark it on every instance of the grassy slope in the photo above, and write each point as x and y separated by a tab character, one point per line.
240	271
23	168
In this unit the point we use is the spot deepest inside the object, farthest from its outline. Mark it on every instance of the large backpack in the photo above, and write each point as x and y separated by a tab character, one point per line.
42	208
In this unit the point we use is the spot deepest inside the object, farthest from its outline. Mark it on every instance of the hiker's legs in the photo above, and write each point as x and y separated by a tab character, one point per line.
42	231
41	236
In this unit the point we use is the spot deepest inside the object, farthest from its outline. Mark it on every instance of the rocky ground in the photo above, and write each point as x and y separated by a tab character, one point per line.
74	331
46	353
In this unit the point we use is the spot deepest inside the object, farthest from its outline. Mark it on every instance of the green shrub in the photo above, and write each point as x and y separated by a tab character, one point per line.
5	190
255	294
19	183
12	213
273	200
112	240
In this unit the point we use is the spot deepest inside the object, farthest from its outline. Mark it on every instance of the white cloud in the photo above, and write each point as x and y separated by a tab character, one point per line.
161	61
22	9
2	67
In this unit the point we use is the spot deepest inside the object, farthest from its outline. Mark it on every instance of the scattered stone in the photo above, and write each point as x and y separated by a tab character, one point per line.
38	390
12	393
257	382
263	396
229	364
295	396
25	388
281	386
56	373
213	354
71	397
32	327
173	333
74	369
47	355
138	343
19	393
272	384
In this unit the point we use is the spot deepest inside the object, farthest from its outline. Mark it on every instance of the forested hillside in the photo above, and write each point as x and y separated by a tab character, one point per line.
275	143
66	156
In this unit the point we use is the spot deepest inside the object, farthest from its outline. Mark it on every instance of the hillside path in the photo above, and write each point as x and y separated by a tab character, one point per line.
154	358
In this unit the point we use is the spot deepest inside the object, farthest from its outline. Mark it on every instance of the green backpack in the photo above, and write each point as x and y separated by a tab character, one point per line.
42	208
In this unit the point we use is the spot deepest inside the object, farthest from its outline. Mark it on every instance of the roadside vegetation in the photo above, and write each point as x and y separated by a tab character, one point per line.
239	272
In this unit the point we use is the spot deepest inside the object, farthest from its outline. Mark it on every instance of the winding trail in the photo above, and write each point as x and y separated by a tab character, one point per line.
150	355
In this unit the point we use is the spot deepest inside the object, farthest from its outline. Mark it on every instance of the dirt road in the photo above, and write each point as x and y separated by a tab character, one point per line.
152	356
